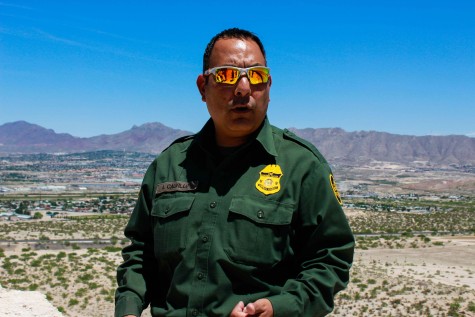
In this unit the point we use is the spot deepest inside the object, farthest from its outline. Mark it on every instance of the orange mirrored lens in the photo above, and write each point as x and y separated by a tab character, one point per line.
230	75
227	75
258	76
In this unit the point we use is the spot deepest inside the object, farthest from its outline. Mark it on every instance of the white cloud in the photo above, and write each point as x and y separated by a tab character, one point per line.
55	38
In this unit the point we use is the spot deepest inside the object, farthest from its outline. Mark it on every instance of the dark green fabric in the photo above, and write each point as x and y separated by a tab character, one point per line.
198	252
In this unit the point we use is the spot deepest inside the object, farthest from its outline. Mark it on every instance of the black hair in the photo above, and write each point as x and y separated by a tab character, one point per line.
233	33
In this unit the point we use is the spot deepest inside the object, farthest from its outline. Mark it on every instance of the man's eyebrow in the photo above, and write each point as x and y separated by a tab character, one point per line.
233	65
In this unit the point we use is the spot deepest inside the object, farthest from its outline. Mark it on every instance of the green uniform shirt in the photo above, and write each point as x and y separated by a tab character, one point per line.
210	230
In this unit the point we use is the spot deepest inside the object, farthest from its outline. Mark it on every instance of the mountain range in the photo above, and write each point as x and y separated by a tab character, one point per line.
335	144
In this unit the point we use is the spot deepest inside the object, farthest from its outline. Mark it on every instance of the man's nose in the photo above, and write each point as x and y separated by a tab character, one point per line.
243	86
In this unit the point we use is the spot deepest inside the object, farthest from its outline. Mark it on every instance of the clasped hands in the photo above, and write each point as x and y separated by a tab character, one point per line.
260	308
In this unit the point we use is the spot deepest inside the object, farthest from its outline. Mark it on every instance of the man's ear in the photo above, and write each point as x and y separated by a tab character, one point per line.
201	84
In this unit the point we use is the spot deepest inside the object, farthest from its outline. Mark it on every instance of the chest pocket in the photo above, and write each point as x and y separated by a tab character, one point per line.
170	219
258	231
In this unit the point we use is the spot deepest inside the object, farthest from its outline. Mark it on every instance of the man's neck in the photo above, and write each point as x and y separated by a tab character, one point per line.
231	142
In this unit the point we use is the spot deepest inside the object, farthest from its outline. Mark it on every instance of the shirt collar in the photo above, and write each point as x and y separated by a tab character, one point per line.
264	137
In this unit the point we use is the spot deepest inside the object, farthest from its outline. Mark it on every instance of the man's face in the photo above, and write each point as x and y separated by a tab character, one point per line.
236	110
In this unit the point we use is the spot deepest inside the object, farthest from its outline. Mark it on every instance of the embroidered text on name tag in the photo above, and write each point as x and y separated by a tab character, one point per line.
169	187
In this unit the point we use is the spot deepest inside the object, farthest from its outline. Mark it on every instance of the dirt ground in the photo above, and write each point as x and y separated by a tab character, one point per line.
423	280
430	281
451	265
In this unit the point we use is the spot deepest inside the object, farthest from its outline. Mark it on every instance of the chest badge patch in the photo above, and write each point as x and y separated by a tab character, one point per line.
335	190
269	179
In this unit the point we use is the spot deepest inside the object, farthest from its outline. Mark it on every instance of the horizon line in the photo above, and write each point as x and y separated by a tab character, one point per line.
469	134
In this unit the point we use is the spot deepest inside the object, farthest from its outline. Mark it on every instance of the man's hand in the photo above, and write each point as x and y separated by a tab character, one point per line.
260	308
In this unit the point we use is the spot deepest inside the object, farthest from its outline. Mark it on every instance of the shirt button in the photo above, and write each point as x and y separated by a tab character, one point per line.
201	276
204	239
213	204
260	214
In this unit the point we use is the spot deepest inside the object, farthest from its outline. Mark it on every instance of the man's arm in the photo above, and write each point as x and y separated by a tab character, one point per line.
324	247
135	274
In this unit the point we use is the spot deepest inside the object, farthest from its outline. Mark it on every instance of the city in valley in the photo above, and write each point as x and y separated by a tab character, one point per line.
62	218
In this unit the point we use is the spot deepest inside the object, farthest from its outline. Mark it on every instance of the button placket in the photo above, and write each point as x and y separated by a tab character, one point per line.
204	238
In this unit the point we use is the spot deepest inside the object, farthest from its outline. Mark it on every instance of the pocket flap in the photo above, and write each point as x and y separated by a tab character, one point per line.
262	211
166	207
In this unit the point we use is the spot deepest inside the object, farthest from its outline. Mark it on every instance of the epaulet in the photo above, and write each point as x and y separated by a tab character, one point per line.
305	144
181	140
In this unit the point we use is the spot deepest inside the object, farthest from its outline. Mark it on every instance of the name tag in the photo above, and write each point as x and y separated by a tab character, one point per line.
170	187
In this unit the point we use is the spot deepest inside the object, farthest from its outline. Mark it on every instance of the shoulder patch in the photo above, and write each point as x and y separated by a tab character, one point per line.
335	190
304	143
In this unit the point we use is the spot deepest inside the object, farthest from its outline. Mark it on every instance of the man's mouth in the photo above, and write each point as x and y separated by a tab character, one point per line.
241	109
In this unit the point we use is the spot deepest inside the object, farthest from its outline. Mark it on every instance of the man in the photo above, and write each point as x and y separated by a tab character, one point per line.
242	219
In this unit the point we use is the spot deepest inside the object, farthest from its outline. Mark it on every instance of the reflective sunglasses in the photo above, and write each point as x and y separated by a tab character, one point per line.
229	75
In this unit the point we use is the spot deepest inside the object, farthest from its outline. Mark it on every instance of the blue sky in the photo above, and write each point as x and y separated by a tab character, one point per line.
100	67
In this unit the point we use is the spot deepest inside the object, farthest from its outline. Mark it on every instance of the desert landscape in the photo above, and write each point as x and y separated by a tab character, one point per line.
393	275
413	276
414	226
